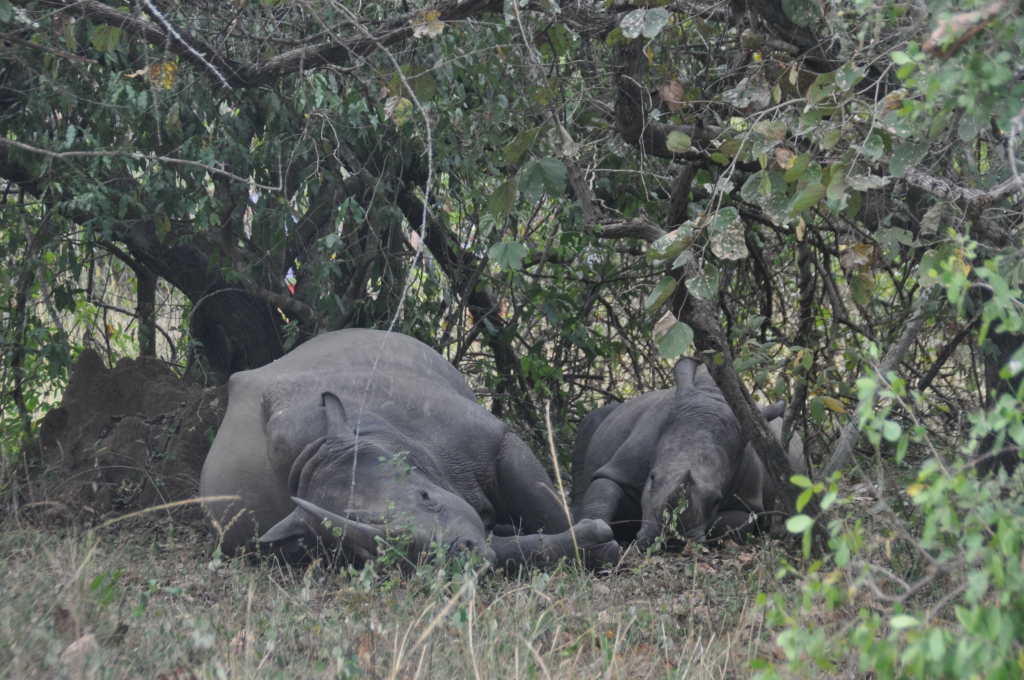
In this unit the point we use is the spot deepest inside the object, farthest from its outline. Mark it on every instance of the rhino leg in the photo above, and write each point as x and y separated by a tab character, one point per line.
528	494
594	539
735	523
602	500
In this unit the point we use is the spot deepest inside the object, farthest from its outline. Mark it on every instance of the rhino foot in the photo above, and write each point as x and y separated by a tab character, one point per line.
597	540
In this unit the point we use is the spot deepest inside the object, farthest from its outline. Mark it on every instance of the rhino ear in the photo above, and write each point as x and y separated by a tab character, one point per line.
773	411
685	370
337	423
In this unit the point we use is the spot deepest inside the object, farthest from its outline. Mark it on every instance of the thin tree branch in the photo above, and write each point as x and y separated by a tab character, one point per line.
893	357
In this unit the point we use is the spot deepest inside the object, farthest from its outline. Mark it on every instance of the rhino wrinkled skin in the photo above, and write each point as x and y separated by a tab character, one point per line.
369	435
636	461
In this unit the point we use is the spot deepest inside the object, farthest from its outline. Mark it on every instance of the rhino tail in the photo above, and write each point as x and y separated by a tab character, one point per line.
685	370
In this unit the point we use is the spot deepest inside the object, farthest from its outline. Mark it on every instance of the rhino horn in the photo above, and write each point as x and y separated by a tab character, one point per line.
356	537
685	370
289	528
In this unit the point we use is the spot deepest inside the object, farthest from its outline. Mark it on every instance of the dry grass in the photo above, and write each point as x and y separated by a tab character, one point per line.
174	611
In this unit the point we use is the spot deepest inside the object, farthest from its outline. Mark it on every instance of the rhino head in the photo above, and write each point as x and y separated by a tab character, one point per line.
355	494
696	457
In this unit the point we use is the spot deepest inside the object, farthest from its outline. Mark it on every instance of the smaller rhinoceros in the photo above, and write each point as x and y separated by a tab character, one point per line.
636	462
362	437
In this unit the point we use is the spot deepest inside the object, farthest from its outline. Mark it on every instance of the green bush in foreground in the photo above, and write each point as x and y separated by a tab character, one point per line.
936	589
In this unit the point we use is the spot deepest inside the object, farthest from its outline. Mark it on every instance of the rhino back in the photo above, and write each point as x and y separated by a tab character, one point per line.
623	446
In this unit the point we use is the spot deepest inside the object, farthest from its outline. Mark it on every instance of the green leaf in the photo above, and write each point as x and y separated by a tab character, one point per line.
751	189
501	201
905	156
632	25
561	39
731	147
726	233
508	255
810	196
836	185
873	147
901	58
892	431
798	169
671	244
834	404
678	142
173	119
772	131
802	481
105	38
847	76
69	29
798	524
866	182
971	124
661	293
862	286
646	22
518	146
654	21
553	174
901	621
676	341
531	182
705	285
5	11
817	408
683	259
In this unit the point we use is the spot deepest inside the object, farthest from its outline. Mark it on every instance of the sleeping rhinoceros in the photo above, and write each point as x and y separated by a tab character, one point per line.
359	436
636	461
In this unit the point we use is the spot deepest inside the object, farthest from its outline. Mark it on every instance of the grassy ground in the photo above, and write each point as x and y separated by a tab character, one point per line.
158	606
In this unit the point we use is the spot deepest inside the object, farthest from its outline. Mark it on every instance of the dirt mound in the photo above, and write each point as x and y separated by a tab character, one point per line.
125	438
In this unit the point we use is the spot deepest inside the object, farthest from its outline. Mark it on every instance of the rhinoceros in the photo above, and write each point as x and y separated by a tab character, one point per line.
359	436
636	461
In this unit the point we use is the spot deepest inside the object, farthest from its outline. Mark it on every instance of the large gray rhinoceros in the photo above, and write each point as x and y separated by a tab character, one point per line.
360	435
633	462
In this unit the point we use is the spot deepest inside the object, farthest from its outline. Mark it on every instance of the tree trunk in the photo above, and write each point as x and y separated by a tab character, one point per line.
145	311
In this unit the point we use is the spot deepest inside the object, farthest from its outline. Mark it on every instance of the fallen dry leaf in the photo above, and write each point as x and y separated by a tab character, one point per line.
241	641
673	94
63	623
784	157
365	647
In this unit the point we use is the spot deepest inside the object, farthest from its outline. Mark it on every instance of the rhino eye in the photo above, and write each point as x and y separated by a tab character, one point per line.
424	495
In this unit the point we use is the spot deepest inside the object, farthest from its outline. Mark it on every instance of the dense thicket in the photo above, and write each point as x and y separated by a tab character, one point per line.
558	196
